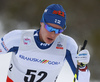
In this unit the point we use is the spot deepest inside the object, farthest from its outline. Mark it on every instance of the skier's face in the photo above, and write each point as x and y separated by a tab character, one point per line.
46	36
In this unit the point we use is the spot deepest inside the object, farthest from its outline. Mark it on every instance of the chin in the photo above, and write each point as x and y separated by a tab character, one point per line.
49	42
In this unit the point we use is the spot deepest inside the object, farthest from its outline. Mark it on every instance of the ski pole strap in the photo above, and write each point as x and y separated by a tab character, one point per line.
83	69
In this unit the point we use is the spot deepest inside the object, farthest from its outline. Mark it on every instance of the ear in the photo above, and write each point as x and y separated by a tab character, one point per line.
42	24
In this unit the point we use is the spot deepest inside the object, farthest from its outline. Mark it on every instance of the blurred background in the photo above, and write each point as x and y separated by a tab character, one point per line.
83	22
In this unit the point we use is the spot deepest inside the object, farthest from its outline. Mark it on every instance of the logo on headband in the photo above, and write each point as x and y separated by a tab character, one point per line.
58	13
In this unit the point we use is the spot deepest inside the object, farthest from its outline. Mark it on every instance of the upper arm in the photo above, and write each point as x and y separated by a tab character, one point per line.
10	40
71	53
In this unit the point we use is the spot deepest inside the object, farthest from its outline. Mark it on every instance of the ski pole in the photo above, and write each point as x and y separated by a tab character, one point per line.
80	48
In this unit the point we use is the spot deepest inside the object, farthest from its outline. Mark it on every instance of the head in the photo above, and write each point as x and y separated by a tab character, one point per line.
53	23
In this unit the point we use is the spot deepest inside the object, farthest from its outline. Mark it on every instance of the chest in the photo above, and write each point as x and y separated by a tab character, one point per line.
29	54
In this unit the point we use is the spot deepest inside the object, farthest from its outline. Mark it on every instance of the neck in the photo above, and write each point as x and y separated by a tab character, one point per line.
41	44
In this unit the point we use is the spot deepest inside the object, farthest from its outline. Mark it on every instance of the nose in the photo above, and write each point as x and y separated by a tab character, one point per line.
52	33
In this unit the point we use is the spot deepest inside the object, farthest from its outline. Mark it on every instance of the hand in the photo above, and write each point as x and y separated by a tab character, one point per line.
83	56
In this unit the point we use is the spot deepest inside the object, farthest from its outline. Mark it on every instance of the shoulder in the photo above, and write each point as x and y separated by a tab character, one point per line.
14	33
68	38
12	38
71	43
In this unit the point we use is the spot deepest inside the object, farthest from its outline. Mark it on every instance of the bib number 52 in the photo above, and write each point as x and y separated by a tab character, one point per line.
31	75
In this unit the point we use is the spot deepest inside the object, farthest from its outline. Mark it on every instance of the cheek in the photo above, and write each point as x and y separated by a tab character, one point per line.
44	33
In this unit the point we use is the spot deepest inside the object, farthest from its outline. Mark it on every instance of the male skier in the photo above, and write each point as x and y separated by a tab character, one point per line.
38	55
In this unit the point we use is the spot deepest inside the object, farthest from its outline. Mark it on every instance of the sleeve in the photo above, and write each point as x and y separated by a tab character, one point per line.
10	42
71	53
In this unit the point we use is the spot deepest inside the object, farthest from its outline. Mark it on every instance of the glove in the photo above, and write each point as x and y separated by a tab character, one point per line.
83	56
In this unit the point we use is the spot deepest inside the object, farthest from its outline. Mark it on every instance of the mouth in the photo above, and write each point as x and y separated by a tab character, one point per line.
50	39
